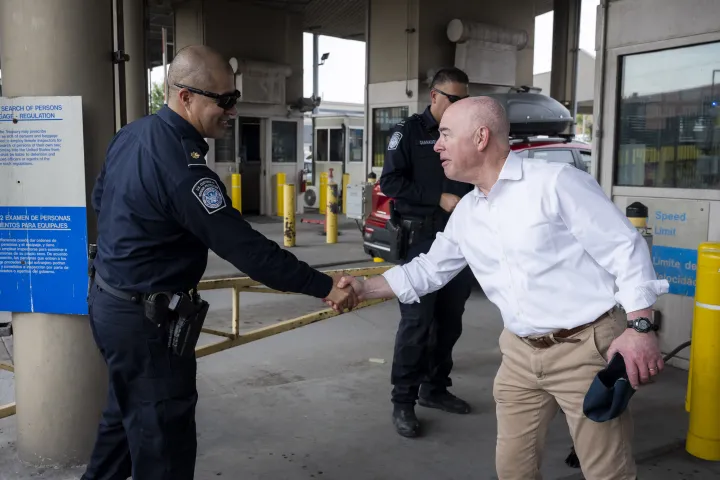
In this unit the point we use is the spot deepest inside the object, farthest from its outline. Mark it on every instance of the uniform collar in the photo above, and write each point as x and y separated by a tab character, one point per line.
429	120
511	171
194	144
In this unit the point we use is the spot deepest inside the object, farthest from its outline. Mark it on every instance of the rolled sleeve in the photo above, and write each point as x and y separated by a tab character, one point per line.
401	285
642	296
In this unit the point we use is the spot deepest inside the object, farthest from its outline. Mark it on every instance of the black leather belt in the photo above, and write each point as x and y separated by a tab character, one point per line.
135	297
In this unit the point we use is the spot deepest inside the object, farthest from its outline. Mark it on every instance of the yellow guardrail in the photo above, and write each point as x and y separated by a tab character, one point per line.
234	338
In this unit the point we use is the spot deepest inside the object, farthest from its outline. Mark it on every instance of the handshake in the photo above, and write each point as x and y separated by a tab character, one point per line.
347	293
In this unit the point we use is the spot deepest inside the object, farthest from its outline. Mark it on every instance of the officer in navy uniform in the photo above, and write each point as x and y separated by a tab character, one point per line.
159	210
423	197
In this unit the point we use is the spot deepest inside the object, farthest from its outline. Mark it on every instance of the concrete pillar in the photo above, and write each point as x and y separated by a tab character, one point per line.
53	48
136	84
566	42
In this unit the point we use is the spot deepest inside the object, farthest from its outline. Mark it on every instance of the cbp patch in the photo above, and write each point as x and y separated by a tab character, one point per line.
394	141
208	192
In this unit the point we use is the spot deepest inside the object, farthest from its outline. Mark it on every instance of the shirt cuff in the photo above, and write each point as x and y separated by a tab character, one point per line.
400	284
643	296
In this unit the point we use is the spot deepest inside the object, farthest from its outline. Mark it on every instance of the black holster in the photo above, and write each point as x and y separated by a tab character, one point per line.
184	330
183	315
398	237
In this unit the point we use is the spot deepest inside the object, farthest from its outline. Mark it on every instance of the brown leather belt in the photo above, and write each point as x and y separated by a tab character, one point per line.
561	336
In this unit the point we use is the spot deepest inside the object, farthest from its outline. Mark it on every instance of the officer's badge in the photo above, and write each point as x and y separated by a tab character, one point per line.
394	141
195	155
208	192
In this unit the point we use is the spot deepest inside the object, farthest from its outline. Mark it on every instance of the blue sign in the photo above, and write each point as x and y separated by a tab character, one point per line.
43	259
678	266
43	223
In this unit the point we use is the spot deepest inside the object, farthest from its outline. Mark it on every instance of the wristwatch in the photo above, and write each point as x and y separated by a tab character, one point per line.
642	325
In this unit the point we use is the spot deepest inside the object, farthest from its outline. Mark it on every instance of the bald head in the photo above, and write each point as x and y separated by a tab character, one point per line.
198	66
474	140
485	112
202	90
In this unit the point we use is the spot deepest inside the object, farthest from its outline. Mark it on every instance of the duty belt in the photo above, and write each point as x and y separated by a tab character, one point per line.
561	336
135	297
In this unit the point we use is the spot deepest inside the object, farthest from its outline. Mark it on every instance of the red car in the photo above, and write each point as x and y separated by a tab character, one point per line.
534	113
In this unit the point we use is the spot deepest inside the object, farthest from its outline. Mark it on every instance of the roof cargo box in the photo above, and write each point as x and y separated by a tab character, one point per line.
534	114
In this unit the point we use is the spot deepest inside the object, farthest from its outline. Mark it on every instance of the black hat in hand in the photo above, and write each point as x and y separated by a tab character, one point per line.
609	393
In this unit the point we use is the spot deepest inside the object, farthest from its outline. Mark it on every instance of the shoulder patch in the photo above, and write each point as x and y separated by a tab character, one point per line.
394	141
209	194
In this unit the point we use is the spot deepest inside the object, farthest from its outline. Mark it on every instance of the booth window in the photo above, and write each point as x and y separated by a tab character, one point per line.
225	146
330	145
284	142
384	119
356	145
321	151
668	129
336	145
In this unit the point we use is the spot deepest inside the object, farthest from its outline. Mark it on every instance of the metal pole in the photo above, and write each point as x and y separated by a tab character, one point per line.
120	60
316	88
164	60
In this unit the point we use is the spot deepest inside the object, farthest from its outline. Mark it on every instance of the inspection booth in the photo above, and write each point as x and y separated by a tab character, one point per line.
658	135
265	139
338	142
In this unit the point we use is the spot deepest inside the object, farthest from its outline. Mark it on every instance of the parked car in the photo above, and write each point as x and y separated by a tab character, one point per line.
535	125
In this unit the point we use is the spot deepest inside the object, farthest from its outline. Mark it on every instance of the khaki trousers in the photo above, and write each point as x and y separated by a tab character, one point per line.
530	386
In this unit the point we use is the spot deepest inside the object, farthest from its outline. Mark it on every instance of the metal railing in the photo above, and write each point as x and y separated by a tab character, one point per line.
234	338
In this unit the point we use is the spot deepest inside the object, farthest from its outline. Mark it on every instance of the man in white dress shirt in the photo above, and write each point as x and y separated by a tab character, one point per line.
556	256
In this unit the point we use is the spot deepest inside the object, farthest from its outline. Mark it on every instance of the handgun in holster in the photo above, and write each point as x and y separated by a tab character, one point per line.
185	328
183	315
397	236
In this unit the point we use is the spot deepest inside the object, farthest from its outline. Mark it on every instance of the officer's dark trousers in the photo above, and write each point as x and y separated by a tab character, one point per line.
426	336
147	429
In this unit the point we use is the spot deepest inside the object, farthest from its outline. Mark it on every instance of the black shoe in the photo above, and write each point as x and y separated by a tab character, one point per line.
572	460
405	421
444	401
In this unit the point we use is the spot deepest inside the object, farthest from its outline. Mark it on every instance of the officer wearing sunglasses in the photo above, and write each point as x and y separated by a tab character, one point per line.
160	208
423	199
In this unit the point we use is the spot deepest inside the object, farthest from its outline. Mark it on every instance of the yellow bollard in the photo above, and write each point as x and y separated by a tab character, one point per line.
237	191
280	202
323	192
346	181
689	384
289	217
703	439
332	211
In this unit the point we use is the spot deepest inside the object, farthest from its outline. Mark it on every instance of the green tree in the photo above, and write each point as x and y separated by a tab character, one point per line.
156	97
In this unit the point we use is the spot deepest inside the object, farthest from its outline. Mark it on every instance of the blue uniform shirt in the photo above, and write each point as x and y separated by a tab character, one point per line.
412	174
160	208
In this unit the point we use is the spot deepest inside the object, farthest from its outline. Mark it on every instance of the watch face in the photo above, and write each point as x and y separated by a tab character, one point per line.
643	324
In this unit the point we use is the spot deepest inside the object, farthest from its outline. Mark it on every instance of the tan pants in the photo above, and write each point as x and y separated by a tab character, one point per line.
530	385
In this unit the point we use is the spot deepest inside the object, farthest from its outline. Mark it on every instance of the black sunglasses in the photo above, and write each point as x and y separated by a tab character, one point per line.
224	100
452	98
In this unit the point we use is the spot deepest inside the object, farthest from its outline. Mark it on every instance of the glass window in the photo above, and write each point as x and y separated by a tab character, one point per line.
561	156
356	145
322	145
384	119
284	142
337	150
668	130
225	146
586	157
